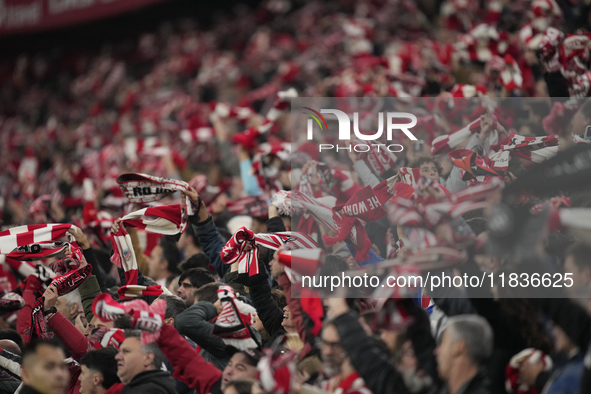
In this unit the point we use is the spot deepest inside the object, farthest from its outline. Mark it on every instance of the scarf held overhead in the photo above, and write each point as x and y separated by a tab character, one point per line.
243	247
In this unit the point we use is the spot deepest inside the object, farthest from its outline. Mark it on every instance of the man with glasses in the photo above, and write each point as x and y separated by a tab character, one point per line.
337	371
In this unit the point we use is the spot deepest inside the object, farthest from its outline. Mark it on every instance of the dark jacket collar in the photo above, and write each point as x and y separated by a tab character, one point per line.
28	390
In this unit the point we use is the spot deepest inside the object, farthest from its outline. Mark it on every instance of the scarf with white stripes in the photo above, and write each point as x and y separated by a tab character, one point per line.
248	260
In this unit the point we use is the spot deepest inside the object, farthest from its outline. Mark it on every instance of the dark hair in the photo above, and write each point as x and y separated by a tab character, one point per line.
13	335
334	265
198	260
526	318
252	355
123	322
279	297
172	254
174	305
581	254
197	276
225	234
242	386
191	233
536	128
208	292
477	224
31	349
103	362
425	159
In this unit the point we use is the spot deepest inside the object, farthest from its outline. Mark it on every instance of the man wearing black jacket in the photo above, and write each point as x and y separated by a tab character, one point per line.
138	367
466	345
380	375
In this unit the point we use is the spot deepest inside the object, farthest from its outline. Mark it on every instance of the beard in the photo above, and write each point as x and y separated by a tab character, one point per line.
414	382
330	367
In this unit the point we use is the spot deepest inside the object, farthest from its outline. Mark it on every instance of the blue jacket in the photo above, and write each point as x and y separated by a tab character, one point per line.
566	379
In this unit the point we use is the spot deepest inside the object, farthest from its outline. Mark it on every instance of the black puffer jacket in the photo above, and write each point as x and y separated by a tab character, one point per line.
153	382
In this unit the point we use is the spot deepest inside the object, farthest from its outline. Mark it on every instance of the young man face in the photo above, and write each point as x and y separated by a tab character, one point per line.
90	380
429	170
45	371
239	367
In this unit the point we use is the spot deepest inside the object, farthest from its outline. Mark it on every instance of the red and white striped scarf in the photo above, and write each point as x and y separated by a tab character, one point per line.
379	161
345	227
148	318
167	221
234	251
233	321
18	245
277	371
512	375
534	149
64	284
405	212
226	111
447	143
473	166
142	188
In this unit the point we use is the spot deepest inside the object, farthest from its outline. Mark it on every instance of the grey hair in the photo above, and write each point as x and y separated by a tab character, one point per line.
158	361
73	297
476	334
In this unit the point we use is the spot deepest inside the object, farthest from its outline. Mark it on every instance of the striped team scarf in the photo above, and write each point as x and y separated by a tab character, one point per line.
447	143
105	337
20	245
326	179
533	149
282	200
142	188
11	363
167	221
225	111
235	250
405	175
147	318
405	212
512	375
277	371
232	324
473	166
349	228
379	161
64	284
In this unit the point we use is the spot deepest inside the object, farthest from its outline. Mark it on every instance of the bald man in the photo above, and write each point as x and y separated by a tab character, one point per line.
11	346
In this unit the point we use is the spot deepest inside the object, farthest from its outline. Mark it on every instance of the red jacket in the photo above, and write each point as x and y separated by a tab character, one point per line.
74	341
24	323
115	389
189	366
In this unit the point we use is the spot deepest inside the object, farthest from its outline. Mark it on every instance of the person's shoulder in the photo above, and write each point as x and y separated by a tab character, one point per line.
153	382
